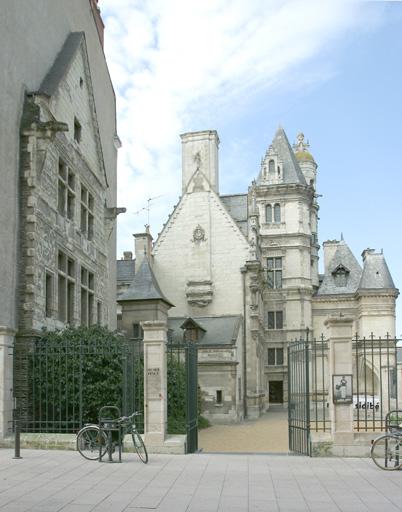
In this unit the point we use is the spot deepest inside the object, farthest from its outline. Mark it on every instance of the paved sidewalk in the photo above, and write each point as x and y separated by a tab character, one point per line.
51	481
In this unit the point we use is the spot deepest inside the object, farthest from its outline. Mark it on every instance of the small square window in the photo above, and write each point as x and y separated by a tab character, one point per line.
138	333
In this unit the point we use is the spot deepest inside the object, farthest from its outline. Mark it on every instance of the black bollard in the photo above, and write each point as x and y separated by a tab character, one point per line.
17	440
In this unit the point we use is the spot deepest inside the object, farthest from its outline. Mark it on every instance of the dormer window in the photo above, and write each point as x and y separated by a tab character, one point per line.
192	330
271	166
341	276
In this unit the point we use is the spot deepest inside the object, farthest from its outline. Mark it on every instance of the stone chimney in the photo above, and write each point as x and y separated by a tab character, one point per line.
200	152
100	27
366	252
143	246
329	247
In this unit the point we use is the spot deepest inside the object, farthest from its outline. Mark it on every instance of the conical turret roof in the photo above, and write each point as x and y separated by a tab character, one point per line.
291	171
375	274
144	286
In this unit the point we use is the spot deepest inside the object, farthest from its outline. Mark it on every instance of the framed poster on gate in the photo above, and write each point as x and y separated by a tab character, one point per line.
342	389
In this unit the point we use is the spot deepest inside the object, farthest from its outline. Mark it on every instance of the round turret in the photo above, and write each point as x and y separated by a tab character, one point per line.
305	159
304	156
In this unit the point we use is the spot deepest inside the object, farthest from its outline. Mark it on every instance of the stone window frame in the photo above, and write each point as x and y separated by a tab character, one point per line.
99	312
273	213
138	331
275	272
66	193
278	356
275	320
49	293
66	280
87	294
218	397
87	217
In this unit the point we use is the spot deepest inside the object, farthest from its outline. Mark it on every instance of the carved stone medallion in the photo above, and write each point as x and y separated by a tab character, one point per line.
199	235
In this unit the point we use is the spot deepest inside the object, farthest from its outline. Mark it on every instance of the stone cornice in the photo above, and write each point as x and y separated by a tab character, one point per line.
7	331
338	319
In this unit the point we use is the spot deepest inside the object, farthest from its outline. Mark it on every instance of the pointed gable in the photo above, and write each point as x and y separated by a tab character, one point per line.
279	164
144	286
342	274
68	86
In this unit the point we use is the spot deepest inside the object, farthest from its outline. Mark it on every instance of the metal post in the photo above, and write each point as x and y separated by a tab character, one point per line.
17	436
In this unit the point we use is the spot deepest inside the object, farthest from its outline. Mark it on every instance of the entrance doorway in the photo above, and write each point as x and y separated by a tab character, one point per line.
275	391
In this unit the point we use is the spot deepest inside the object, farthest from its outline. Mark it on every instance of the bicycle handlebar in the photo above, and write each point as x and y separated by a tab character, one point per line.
124	419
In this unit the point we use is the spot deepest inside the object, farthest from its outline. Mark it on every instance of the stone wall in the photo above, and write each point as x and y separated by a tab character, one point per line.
46	26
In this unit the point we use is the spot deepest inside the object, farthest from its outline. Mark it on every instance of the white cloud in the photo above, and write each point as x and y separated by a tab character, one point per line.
173	60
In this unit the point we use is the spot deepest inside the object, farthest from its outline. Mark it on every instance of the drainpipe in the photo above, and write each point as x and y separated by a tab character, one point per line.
244	354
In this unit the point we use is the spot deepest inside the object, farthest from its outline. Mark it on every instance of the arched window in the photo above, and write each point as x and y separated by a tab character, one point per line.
277	213
268	213
271	166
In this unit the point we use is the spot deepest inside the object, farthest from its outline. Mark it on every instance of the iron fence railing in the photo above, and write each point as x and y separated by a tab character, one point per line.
60	384
375	383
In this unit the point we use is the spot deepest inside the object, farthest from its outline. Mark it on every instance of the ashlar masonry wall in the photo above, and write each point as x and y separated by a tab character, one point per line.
201	247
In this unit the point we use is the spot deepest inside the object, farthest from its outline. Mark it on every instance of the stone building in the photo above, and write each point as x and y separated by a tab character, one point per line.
242	273
58	151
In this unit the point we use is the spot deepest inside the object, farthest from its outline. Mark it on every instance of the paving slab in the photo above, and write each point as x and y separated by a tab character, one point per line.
61	481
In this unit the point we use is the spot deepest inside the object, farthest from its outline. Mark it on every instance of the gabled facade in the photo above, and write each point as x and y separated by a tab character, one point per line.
244	269
64	221
59	176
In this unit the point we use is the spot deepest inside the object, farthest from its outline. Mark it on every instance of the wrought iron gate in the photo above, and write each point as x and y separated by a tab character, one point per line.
299	397
182	368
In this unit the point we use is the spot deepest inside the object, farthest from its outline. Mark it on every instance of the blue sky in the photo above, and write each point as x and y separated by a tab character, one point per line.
330	69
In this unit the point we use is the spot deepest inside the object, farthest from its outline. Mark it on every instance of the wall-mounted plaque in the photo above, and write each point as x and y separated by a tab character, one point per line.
342	389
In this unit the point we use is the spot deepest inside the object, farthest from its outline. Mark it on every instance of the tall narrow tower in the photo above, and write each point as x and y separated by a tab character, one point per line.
288	235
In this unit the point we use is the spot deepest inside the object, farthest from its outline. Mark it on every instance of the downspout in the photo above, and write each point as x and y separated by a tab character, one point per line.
244	354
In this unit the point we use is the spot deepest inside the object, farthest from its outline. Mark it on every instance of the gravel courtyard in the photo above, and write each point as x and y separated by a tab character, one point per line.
268	434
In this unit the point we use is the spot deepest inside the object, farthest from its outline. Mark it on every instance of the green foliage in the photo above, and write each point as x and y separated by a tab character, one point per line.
176	390
73	373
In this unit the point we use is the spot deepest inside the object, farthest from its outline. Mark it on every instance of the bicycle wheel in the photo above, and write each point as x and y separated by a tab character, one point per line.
89	440
139	446
386	452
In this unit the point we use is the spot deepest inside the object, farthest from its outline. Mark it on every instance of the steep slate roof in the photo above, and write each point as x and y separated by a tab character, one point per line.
125	271
144	286
375	273
236	205
291	168
221	330
62	63
343	256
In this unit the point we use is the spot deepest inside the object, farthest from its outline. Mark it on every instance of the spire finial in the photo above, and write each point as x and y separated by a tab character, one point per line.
342	236
300	144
